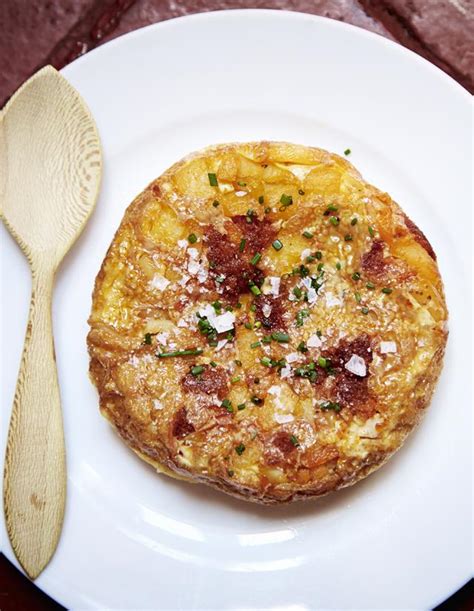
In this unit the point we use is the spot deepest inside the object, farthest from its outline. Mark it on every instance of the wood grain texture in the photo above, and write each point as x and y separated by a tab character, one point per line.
50	168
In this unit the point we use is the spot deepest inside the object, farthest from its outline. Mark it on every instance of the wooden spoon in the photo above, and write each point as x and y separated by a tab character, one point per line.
50	170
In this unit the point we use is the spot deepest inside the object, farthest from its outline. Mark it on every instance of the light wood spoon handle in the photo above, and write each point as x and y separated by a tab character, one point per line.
35	465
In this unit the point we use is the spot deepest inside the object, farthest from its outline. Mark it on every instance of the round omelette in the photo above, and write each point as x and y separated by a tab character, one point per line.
266	322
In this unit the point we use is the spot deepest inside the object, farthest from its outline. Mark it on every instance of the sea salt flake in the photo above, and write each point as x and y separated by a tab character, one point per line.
283	418
314	341
331	300
159	282
356	365
386	347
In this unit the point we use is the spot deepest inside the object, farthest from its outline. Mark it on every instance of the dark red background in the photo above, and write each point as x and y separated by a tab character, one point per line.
38	32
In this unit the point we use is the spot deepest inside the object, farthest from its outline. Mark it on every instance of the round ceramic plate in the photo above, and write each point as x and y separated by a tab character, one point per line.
136	540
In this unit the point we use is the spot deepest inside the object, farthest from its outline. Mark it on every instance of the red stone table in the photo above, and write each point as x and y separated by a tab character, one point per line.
38	32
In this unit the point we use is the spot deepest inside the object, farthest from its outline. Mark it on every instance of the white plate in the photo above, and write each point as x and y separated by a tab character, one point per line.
132	539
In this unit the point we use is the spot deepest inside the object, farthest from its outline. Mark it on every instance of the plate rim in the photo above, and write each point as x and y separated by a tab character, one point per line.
456	88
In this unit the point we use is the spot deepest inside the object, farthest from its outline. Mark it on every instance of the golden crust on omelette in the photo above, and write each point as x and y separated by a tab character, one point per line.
266	322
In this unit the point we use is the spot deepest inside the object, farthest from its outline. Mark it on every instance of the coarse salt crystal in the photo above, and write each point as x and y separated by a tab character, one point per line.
193	267
157	404
283	418
182	281
356	365
202	275
162	337
314	341
331	300
275	285
159	282
220	344
193	253
222	322
266	310
241	193
306	253
183	243
285	372
312	295
306	282
386	347
292	357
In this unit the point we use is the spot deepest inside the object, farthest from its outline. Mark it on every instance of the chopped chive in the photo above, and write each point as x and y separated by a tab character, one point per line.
213	364
228	405
371	231
331	208
348	237
189	352
318	254
253	308
238	362
147	339
365	310
310	259
242	184
277	245
243	241
197	370
267	210
212	179
338	266
255	345
300	191
286	200
257	325
238	305
266	361
255	290
256	258
230	472
240	449
356	276
217	305
261	199
347	152
241	406
307	234
294	441
247	325
297	292
235	379
370	285
300	316
220	279
302	347
192	238
282	338
357	297
267	339
215	203
334	221
320	267
322	362
354	222
330	405
387	291
256	400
